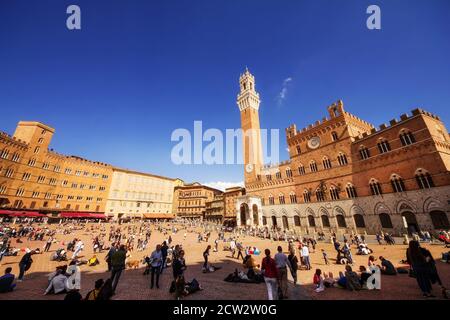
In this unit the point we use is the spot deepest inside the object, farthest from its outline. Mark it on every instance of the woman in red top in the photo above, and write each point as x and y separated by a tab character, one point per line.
269	270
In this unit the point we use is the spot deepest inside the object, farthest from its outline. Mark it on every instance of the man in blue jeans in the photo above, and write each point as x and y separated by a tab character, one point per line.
156	259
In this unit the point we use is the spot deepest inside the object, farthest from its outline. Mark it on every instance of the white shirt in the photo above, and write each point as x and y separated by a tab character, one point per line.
305	251
74	280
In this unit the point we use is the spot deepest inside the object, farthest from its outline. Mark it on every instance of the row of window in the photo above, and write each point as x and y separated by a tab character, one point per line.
423	180
20	192
383	146
341	160
438	218
4	154
51	181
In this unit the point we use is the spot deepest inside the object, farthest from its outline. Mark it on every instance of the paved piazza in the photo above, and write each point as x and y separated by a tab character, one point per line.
134	285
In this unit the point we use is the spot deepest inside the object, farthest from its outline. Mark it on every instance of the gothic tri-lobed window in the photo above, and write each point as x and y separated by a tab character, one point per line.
375	187
364	153
423	179
342	159
397	183
351	191
406	138
383	146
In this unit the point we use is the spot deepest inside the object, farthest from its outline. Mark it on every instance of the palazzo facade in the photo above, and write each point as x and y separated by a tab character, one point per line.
345	175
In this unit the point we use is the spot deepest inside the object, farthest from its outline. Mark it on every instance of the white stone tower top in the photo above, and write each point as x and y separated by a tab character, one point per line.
247	97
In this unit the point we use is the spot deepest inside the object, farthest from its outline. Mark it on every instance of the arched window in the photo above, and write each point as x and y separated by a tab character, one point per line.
397	183
440	220
342	159
281	198
423	179
375	187
268	177
325	221
278	175
364	153
334	136
15	157
306	196
274	221
385	221
383	146
264	221
351	191
334	193
313	166
297	221
326	163
288	173
271	200
299	150
4	154
293	197
3	188
406	137
285	222
341	221
301	170
311	221
359	221
320	195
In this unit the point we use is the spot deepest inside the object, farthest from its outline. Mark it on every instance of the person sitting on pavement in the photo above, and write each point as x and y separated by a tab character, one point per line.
94	293
387	268
57	284
7	281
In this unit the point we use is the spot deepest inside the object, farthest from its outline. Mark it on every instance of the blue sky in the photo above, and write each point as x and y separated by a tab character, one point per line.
115	90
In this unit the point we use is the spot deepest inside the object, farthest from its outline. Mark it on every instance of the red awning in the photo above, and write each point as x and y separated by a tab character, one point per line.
25	214
34	214
82	215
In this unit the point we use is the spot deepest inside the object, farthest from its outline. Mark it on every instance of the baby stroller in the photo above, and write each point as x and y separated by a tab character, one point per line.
59	255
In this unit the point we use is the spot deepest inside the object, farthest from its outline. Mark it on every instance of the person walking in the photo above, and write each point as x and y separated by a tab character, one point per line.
293	260
25	264
270	273
117	266
240	248
179	265
164	249
155	262
110	253
205	257
419	260
78	247
305	256
282	263
48	244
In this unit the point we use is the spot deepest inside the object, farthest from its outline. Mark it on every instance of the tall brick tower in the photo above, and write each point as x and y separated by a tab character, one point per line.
248	102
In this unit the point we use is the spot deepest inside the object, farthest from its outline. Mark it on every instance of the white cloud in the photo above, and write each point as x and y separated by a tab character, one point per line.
222	185
284	90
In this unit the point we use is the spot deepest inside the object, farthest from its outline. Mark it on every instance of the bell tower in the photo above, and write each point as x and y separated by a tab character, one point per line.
248	102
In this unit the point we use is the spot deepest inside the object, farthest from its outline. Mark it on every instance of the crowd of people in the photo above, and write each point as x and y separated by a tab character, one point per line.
121	242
